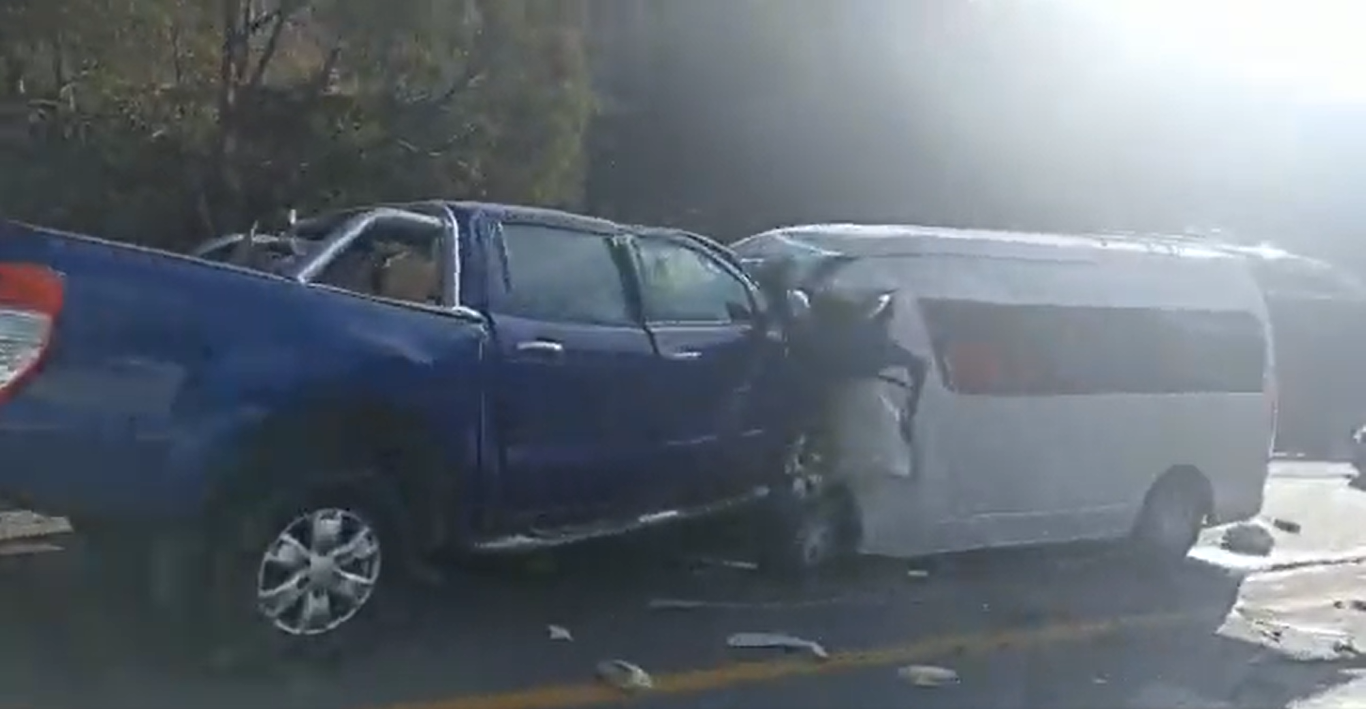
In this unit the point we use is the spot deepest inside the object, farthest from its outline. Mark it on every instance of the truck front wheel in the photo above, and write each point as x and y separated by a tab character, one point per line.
808	536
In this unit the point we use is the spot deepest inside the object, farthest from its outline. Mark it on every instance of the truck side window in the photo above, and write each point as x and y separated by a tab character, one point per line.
560	275
683	285
388	263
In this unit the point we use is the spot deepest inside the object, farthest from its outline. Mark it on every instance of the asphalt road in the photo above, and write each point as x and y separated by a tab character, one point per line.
1024	629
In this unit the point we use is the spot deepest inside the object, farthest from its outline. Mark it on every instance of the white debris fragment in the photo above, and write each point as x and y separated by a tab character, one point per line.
1347	648
1250	539
688	604
735	564
18	524
558	632
675	604
779	641
917	574
928	675
22	547
624	675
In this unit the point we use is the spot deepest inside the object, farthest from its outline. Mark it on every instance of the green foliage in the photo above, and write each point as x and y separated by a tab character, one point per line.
163	121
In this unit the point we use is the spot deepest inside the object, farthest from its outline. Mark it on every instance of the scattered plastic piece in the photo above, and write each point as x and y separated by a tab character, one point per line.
676	604
779	641
928	675
688	604
624	676
1286	525
917	574
735	564
559	633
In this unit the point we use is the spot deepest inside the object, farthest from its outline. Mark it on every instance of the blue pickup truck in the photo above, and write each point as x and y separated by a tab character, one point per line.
400	379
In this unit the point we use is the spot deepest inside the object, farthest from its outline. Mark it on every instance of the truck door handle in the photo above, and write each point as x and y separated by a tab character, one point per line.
545	347
683	354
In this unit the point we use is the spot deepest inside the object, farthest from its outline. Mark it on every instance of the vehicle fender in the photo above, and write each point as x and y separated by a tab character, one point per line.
305	427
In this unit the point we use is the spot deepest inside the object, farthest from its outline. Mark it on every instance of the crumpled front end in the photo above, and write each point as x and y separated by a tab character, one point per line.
862	387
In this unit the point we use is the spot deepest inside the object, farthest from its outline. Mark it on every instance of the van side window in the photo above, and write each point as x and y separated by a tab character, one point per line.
1047	350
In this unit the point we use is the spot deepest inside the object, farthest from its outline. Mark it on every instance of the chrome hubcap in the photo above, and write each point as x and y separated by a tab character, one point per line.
318	572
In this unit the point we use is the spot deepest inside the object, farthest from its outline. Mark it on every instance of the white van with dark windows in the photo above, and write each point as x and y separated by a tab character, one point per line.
1078	388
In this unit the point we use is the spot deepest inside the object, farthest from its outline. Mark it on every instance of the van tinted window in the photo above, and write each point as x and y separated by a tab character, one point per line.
1049	350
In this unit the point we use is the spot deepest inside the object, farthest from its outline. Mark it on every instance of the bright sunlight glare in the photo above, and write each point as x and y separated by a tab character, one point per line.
1316	48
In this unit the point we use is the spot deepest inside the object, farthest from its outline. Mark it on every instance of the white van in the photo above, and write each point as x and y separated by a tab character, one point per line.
1079	388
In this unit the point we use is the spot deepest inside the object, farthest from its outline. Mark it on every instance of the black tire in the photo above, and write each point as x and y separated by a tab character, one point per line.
809	537
1171	520
242	635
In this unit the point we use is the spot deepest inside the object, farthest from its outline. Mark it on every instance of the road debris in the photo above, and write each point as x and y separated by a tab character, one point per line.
558	632
1306	643
678	604
777	641
1250	539
928	675
625	676
734	564
22	524
1355	604
1347	648
1286	525
917	574
692	604
21	547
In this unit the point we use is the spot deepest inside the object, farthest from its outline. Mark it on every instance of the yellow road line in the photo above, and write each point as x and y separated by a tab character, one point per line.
590	694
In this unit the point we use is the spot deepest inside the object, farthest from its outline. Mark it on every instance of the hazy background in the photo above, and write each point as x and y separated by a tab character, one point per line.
1240	118
168	121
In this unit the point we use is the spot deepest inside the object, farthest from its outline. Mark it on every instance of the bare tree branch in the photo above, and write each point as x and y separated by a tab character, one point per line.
268	52
323	78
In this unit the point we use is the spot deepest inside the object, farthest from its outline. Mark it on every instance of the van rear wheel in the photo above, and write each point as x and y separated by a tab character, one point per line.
1172	518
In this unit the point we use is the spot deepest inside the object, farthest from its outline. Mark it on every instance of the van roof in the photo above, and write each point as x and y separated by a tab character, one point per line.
907	240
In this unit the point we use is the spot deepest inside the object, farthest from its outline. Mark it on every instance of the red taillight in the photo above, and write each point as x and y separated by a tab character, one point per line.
30	300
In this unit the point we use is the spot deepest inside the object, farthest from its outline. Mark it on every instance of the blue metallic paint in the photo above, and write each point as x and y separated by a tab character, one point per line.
163	363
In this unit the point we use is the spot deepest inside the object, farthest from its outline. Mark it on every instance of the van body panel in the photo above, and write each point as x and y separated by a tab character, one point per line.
1067	451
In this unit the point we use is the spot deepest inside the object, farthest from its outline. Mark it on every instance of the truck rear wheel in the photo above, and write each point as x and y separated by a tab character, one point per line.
299	576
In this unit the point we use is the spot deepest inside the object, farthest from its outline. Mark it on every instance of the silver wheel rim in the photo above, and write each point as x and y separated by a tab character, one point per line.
318	572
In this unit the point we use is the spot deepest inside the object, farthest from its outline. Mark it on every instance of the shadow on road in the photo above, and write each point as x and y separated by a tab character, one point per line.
63	643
